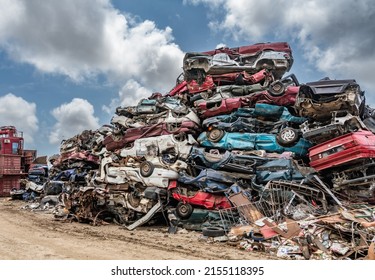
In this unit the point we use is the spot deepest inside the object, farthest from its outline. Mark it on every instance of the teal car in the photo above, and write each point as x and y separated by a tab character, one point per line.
264	118
252	141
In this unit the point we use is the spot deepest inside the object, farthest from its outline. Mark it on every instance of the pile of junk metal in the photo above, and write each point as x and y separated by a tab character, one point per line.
238	150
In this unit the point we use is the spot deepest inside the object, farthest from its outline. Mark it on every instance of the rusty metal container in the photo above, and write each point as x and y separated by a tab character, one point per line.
8	182
10	164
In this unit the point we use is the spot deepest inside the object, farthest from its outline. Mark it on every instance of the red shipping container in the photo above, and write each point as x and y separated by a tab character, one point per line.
7	183
10	164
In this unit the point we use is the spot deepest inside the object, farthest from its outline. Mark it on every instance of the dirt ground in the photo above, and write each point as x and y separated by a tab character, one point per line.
35	235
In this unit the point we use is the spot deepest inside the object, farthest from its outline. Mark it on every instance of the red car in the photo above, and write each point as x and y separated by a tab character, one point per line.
193	87
158	129
241	78
79	156
213	108
346	149
253	49
287	98
202	199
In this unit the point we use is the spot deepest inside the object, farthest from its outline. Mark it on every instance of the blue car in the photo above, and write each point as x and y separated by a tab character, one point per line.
227	161
264	118
212	181
253	141
278	169
265	169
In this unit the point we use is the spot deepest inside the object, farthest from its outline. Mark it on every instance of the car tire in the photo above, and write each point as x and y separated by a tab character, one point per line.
213	231
184	210
287	137
215	135
146	168
276	88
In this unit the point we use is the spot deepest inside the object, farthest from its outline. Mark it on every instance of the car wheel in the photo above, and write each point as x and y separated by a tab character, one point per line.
287	137
277	88
213	231
184	210
146	168
215	135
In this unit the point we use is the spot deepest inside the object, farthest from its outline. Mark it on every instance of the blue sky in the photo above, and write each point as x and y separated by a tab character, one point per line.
66	65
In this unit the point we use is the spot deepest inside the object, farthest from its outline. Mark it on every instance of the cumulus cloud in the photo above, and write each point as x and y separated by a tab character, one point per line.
335	36
129	95
72	118
18	112
81	39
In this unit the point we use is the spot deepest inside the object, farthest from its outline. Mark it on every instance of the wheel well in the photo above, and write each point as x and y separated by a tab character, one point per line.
265	63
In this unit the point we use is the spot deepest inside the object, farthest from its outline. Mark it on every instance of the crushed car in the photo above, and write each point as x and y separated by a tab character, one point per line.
226	161
253	141
348	160
263	118
263	169
318	99
252	58
133	170
345	149
220	106
176	146
149	119
115	142
188	198
341	123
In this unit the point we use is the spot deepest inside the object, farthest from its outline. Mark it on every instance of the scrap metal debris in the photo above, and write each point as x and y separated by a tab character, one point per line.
273	165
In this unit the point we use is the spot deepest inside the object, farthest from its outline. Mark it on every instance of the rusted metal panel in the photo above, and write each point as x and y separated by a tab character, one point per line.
9	182
10	164
29	156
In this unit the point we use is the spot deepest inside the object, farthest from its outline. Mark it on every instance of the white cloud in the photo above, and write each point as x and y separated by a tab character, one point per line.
72	118
84	38
336	37
220	45
129	95
17	112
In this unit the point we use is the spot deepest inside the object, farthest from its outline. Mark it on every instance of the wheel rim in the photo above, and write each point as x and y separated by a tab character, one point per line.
215	134
277	88
184	209
146	168
288	135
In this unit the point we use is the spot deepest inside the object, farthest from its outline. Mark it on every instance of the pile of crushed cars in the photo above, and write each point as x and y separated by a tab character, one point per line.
237	150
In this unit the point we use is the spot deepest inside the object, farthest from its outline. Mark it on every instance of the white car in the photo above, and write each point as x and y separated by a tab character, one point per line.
150	147
342	122
221	62
134	171
166	116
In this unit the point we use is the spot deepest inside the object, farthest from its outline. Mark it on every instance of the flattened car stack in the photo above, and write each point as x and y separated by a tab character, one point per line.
237	137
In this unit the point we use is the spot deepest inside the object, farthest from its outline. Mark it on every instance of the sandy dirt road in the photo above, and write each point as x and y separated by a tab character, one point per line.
26	235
